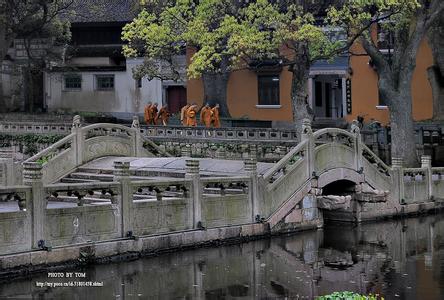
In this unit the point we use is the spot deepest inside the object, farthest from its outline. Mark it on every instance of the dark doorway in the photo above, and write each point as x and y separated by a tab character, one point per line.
176	98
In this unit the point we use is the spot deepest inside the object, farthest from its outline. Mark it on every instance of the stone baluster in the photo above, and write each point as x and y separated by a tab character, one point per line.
221	153
307	135
250	167
195	208
32	176
426	162
356	131
185	150
138	142
398	178
79	139
125	197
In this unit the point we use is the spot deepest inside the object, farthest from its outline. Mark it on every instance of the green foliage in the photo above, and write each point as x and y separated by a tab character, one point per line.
225	34
345	295
29	141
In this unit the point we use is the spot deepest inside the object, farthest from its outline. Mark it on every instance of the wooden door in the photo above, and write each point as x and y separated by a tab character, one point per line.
176	98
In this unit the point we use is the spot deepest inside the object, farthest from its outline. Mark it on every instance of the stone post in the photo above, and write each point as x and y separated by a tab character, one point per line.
32	176
426	162
398	177
125	200
138	142
185	151
192	172
307	135
356	131
79	139
250	167
6	172
221	152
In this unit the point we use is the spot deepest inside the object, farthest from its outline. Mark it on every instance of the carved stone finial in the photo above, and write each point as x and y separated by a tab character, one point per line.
426	161
136	123
355	128
32	172
397	162
306	126
76	122
121	168
192	166
250	165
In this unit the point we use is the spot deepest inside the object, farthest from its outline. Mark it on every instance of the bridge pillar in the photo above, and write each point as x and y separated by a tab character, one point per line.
125	200
398	178
250	167
356	131
79	140
138	143
192	172
32	176
426	162
185	151
307	135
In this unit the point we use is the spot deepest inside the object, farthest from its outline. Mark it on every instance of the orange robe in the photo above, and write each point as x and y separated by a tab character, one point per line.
146	114
205	116
183	113
153	114
163	115
215	117
190	116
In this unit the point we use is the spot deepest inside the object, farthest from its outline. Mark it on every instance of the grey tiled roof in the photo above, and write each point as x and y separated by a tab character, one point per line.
102	11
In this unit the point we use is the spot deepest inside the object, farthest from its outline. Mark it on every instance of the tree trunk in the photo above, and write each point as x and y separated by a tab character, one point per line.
437	82
436	72
403	144
215	91
299	90
4	44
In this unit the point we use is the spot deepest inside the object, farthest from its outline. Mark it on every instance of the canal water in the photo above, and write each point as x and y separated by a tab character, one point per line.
402	259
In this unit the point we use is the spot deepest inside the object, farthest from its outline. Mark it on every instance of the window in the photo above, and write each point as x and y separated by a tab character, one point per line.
268	89
105	82
318	94
73	82
386	38
381	100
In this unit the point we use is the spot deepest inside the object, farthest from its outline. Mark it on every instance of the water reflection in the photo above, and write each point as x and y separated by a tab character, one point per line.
398	259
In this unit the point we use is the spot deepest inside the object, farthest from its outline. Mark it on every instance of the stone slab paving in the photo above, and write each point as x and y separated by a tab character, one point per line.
208	166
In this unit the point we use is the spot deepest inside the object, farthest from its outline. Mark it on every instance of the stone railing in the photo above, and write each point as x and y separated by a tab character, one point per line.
40	216
90	142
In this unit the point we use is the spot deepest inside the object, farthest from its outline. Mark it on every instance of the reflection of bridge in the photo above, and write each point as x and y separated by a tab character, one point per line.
197	200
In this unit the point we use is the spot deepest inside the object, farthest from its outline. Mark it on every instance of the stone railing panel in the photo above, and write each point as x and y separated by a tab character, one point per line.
15	219
333	155
415	185
438	183
160	206
226	201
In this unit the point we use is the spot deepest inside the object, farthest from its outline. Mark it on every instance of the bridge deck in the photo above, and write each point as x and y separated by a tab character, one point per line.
173	166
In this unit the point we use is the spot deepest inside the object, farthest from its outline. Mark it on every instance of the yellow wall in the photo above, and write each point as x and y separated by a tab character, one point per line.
365	88
242	93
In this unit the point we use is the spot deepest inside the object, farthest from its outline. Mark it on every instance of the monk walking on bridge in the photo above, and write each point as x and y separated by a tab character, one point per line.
153	114
206	115
146	113
163	115
215	116
191	115
183	112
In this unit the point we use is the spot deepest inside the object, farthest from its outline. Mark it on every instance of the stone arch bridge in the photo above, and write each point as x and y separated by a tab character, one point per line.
104	182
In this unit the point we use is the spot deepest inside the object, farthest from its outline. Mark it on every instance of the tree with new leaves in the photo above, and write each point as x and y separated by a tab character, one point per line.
29	20
408	22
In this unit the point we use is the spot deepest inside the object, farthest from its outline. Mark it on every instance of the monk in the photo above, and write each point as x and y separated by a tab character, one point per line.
190	116
183	111
163	115
205	115
146	113
215	116
153	113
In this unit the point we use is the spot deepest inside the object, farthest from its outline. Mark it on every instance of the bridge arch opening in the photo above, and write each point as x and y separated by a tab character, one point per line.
341	187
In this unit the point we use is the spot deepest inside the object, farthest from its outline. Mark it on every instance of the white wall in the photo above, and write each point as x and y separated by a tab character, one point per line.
125	98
